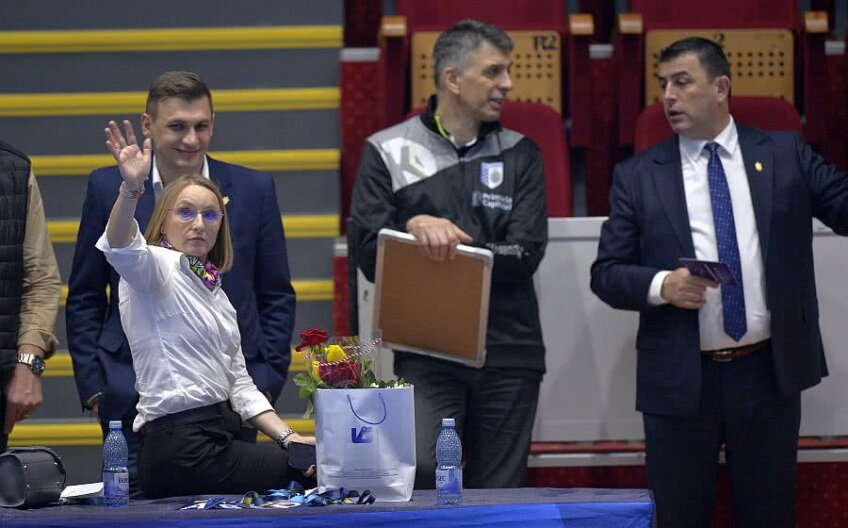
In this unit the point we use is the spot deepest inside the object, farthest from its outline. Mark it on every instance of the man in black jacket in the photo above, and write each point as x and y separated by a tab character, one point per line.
451	176
29	291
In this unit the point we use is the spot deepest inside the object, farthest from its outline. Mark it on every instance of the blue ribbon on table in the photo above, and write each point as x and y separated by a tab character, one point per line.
294	496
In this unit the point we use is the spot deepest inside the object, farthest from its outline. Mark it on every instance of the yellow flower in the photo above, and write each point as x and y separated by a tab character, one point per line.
315	374
335	353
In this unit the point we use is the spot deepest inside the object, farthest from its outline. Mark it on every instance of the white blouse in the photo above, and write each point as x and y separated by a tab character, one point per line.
184	338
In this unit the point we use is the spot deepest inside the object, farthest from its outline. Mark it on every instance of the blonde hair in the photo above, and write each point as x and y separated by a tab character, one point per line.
221	253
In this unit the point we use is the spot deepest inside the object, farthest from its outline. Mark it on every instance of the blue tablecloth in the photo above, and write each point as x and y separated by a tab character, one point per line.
543	507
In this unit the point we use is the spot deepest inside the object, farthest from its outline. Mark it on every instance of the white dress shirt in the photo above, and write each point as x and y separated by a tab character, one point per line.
184	338
156	178
694	158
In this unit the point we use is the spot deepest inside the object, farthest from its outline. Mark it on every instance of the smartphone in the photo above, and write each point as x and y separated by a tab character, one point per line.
301	456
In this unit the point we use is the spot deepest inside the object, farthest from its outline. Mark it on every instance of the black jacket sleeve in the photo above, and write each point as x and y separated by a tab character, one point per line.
372	207
518	256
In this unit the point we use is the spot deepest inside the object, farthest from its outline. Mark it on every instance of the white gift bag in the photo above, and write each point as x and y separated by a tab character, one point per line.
366	441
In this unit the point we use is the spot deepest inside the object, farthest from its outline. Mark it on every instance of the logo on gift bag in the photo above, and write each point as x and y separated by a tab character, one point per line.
365	434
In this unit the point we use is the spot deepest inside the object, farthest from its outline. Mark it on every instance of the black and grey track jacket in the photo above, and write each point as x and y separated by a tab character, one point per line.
494	190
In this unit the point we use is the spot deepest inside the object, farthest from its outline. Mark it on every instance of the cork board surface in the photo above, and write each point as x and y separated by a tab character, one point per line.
433	308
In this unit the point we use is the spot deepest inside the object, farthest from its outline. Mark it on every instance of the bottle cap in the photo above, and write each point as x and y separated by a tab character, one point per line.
114	424
448	422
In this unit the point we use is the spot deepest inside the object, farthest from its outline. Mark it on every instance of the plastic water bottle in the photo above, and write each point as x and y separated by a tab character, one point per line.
449	470
116	477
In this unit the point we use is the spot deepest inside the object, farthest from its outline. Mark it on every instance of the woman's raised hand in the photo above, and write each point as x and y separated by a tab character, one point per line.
133	161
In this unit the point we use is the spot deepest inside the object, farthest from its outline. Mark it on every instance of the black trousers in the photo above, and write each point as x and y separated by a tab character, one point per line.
200	452
4	439
247	434
742	408
494	411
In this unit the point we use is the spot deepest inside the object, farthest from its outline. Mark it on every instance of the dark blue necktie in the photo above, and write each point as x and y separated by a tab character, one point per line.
732	295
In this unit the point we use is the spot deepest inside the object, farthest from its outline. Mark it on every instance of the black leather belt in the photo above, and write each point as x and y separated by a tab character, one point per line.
732	354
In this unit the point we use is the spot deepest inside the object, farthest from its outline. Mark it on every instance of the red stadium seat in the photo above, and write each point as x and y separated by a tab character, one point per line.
544	126
768	113
415	16
719	19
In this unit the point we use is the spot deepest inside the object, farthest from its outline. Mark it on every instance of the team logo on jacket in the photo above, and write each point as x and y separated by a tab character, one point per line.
492	174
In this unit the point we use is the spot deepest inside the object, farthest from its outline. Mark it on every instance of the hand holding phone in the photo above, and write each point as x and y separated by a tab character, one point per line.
715	271
301	456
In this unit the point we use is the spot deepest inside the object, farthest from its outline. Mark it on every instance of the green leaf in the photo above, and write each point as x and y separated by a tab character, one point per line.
367	379
309	409
302	380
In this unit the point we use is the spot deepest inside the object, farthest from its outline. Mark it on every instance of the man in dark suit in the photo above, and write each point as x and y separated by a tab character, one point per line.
719	364
179	119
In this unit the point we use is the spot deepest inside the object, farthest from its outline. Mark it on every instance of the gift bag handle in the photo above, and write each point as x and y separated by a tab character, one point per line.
385	410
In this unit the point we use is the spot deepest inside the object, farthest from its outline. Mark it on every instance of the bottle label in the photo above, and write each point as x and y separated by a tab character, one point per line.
116	483
449	480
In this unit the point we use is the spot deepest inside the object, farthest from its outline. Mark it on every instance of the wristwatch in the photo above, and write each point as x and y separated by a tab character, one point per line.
283	436
35	363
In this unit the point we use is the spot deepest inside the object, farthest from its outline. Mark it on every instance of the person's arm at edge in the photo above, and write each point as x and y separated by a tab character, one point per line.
275	297
39	305
42	285
828	185
518	256
272	425
87	301
617	275
252	405
371	208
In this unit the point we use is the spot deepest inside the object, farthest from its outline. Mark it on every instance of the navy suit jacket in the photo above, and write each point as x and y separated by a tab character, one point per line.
258	286
648	231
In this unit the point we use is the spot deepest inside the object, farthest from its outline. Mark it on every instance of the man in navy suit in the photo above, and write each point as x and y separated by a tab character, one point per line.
719	365
179	120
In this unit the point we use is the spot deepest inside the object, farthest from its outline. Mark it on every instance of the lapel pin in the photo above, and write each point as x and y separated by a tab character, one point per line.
757	166
227	198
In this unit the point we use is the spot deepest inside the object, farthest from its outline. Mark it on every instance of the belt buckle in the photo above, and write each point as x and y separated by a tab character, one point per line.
722	356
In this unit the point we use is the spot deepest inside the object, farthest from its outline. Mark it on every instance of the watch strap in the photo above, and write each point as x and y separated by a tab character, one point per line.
33	361
283	436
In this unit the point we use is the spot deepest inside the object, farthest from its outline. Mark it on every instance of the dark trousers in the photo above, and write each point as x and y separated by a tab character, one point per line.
200	451
4	439
494	411
247	434
741	408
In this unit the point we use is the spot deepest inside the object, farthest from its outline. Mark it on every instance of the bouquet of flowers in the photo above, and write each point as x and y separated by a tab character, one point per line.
337	363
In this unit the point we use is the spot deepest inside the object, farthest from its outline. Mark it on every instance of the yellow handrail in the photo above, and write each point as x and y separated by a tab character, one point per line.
170	39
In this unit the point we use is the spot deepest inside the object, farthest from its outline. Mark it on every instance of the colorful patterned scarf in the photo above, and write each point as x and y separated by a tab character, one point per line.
207	271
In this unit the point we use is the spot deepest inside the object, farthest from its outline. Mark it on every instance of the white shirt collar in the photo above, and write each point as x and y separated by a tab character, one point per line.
727	139
156	178
457	145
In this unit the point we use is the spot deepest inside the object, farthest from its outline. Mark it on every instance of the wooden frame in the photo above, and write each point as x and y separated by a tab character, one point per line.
438	309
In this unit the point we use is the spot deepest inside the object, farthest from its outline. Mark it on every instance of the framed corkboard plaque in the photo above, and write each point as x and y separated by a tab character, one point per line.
438	309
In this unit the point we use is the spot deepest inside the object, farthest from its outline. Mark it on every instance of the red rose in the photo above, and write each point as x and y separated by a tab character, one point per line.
341	375
311	337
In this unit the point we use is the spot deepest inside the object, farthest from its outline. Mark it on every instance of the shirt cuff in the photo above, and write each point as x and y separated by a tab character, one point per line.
89	403
251	404
655	291
44	340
